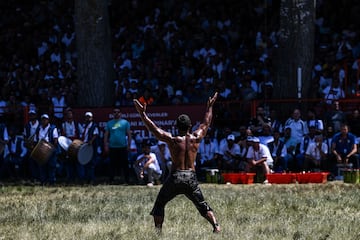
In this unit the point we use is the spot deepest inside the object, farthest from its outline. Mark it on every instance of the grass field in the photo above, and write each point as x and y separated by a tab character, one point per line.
255	211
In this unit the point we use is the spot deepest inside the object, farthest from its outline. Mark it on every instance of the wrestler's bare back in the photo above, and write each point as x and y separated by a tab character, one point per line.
183	151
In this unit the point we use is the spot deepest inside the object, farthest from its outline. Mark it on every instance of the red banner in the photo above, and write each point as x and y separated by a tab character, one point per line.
163	116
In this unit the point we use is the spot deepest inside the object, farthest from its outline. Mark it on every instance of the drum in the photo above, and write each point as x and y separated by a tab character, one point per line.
64	144
212	176
42	152
81	151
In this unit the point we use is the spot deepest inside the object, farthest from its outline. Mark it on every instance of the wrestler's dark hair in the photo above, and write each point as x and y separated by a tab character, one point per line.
183	122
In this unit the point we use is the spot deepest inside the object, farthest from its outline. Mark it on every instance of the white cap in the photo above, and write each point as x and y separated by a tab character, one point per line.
45	116
88	114
231	137
32	111
255	140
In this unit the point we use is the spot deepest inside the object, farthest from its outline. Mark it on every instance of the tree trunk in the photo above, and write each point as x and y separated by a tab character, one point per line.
94	65
296	49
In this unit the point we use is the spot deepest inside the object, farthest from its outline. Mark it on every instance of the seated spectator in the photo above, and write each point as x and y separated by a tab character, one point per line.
229	154
307	139
335	117
147	167
163	157
266	135
316	155
256	124
290	144
279	153
344	148
207	153
258	156
333	92
298	126
313	120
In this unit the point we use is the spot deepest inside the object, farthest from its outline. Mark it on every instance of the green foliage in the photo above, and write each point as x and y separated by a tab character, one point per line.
294	211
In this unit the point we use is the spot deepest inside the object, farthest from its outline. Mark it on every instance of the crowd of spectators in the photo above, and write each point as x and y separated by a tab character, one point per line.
174	52
168	52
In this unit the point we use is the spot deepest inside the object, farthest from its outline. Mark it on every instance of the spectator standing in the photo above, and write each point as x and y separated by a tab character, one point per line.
58	104
117	140
15	153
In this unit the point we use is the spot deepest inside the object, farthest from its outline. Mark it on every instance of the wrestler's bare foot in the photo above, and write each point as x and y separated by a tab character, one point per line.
217	228
158	230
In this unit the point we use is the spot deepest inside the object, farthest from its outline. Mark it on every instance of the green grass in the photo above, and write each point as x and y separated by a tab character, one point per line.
294	211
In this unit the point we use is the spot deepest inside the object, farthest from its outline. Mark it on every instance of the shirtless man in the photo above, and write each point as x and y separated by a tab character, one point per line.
183	149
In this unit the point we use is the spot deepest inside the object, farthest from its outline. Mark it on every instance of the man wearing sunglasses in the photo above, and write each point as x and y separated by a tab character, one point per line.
117	139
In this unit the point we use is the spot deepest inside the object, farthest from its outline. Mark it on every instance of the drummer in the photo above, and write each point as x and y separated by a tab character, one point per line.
89	135
29	133
49	133
70	129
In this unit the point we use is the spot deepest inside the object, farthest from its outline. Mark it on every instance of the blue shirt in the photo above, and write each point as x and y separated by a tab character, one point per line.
118	132
343	145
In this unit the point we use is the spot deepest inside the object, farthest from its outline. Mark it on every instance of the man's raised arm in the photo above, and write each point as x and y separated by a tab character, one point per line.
204	126
150	125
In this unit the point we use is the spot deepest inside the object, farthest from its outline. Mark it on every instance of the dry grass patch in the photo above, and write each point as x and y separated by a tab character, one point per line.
309	211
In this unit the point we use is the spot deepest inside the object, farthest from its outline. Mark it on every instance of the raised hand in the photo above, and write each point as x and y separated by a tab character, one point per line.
212	100
139	107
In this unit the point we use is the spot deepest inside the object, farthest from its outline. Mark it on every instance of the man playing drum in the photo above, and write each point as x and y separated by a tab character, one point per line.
44	153
90	134
71	130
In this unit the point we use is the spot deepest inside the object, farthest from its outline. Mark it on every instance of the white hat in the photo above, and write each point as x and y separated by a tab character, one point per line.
32	111
255	140
45	116
88	114
161	143
231	137
178	93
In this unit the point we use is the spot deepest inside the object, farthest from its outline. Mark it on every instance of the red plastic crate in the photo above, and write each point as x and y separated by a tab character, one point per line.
281	178
314	177
236	178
